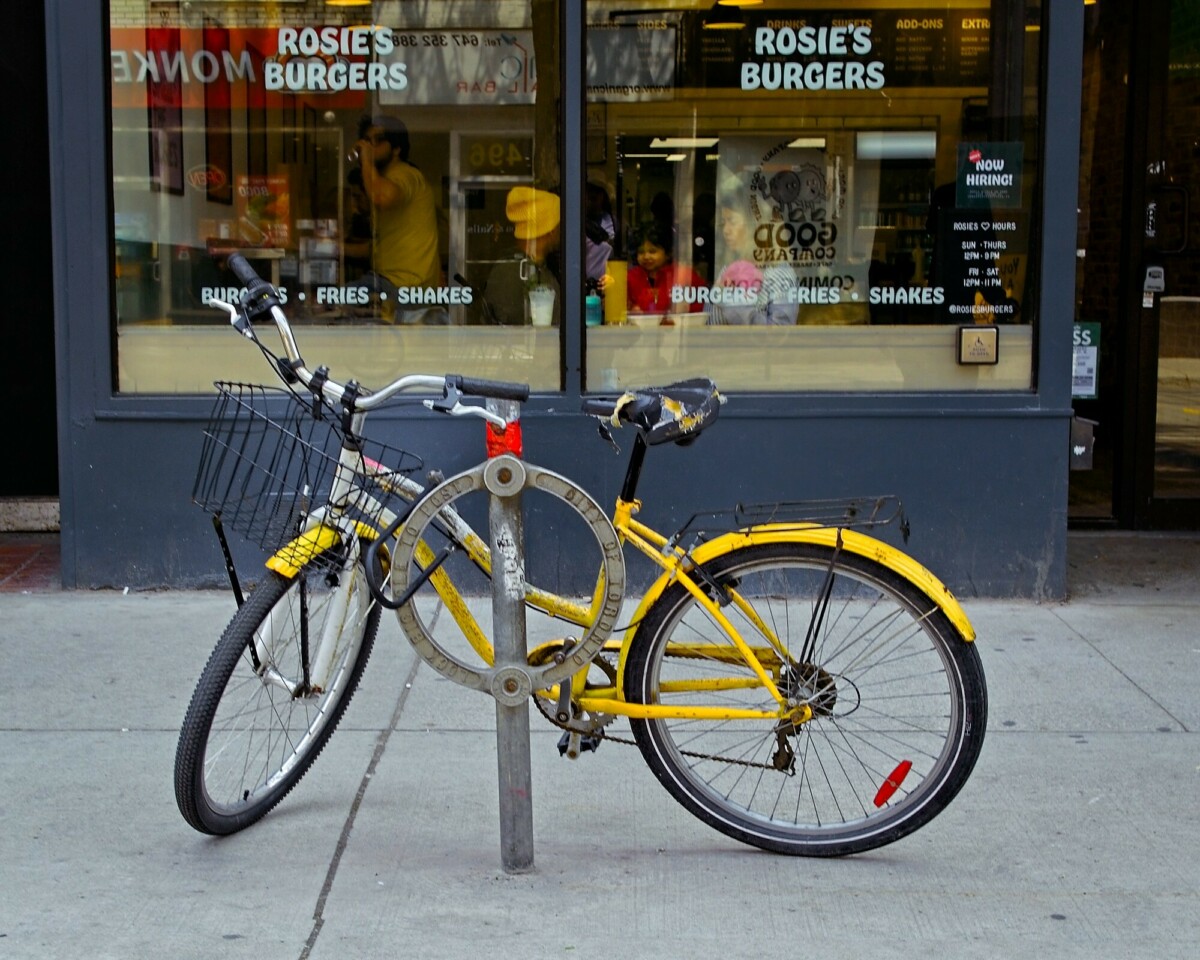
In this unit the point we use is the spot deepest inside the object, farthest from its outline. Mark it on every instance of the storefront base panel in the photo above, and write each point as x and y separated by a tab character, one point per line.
984	494
817	358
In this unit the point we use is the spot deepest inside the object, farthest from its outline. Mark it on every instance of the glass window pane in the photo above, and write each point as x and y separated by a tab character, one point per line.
391	166
812	196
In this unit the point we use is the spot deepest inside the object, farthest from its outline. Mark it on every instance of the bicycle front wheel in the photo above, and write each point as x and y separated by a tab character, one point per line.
898	700
259	715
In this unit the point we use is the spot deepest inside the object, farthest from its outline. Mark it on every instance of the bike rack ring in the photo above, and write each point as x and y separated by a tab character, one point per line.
503	682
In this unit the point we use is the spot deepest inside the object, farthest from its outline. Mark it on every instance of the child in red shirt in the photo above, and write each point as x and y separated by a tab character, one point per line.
656	273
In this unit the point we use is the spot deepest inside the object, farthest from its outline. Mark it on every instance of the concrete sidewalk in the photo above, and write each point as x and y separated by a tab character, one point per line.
1078	834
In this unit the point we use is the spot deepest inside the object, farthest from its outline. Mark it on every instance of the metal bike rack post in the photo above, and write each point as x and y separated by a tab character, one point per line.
504	478
509	677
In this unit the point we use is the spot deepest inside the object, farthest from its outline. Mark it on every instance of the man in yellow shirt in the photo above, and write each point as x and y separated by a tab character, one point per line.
404	251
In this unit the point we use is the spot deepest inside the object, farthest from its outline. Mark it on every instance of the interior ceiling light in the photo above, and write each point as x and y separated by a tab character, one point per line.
347	3
755	3
679	143
801	143
897	145
723	18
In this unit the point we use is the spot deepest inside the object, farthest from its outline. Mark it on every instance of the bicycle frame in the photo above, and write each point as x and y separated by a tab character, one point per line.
763	661
328	527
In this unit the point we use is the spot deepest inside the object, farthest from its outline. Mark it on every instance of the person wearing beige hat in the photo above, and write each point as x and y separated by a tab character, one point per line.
513	285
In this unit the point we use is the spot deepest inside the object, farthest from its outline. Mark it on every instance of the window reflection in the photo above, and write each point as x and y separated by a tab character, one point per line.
839	190
367	160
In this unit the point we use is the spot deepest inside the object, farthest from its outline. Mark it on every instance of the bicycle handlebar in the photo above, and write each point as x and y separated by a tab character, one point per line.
496	389
261	297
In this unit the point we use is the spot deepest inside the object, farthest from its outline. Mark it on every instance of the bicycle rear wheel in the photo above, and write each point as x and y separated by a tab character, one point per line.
255	723
898	699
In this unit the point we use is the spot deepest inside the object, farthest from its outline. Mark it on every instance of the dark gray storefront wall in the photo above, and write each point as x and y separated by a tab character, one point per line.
986	515
983	478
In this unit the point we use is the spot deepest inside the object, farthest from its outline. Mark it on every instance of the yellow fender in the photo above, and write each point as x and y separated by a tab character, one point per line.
301	551
852	541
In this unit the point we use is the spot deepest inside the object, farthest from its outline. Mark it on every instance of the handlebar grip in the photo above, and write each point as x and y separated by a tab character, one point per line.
260	296
496	389
243	271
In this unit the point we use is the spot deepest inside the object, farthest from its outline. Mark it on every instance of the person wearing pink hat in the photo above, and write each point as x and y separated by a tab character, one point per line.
750	294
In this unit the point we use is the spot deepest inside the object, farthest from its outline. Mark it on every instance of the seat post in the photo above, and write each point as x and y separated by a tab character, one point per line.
634	471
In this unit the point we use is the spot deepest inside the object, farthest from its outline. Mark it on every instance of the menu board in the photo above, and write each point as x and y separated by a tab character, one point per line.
970	44
920	48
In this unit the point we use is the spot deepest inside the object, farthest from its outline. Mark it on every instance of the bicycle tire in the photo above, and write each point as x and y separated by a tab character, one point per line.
890	681
246	740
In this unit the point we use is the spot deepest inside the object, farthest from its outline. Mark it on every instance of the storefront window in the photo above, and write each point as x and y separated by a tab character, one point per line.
392	167
782	195
814	196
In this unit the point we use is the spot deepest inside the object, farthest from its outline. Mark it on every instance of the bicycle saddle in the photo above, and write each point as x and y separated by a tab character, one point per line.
676	412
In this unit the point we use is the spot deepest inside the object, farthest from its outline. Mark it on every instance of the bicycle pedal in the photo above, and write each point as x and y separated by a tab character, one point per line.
571	744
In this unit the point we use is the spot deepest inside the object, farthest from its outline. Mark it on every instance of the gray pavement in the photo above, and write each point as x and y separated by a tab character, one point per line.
1078	834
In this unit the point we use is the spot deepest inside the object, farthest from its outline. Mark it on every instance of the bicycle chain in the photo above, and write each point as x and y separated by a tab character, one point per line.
607	718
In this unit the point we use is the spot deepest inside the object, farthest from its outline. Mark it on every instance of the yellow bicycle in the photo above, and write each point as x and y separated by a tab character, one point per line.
794	682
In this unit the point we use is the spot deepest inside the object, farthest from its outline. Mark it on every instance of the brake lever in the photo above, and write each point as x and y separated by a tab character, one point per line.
237	318
457	409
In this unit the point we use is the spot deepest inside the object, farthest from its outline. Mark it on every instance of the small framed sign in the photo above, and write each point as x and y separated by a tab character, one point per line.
978	345
1085	381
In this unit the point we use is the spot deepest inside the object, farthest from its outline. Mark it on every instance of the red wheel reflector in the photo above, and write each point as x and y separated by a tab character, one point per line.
892	783
508	440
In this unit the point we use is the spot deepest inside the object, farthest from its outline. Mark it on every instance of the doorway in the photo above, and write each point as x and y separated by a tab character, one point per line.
28	493
1137	334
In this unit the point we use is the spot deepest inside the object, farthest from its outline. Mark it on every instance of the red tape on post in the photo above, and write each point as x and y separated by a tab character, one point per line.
508	440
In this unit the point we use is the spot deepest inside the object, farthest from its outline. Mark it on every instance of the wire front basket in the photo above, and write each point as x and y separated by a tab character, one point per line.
270	457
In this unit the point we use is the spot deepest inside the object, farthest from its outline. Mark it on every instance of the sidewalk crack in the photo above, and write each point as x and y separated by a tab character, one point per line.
381	743
1137	686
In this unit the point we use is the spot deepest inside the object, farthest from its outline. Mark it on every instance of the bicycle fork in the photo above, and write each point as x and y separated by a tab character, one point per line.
328	531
